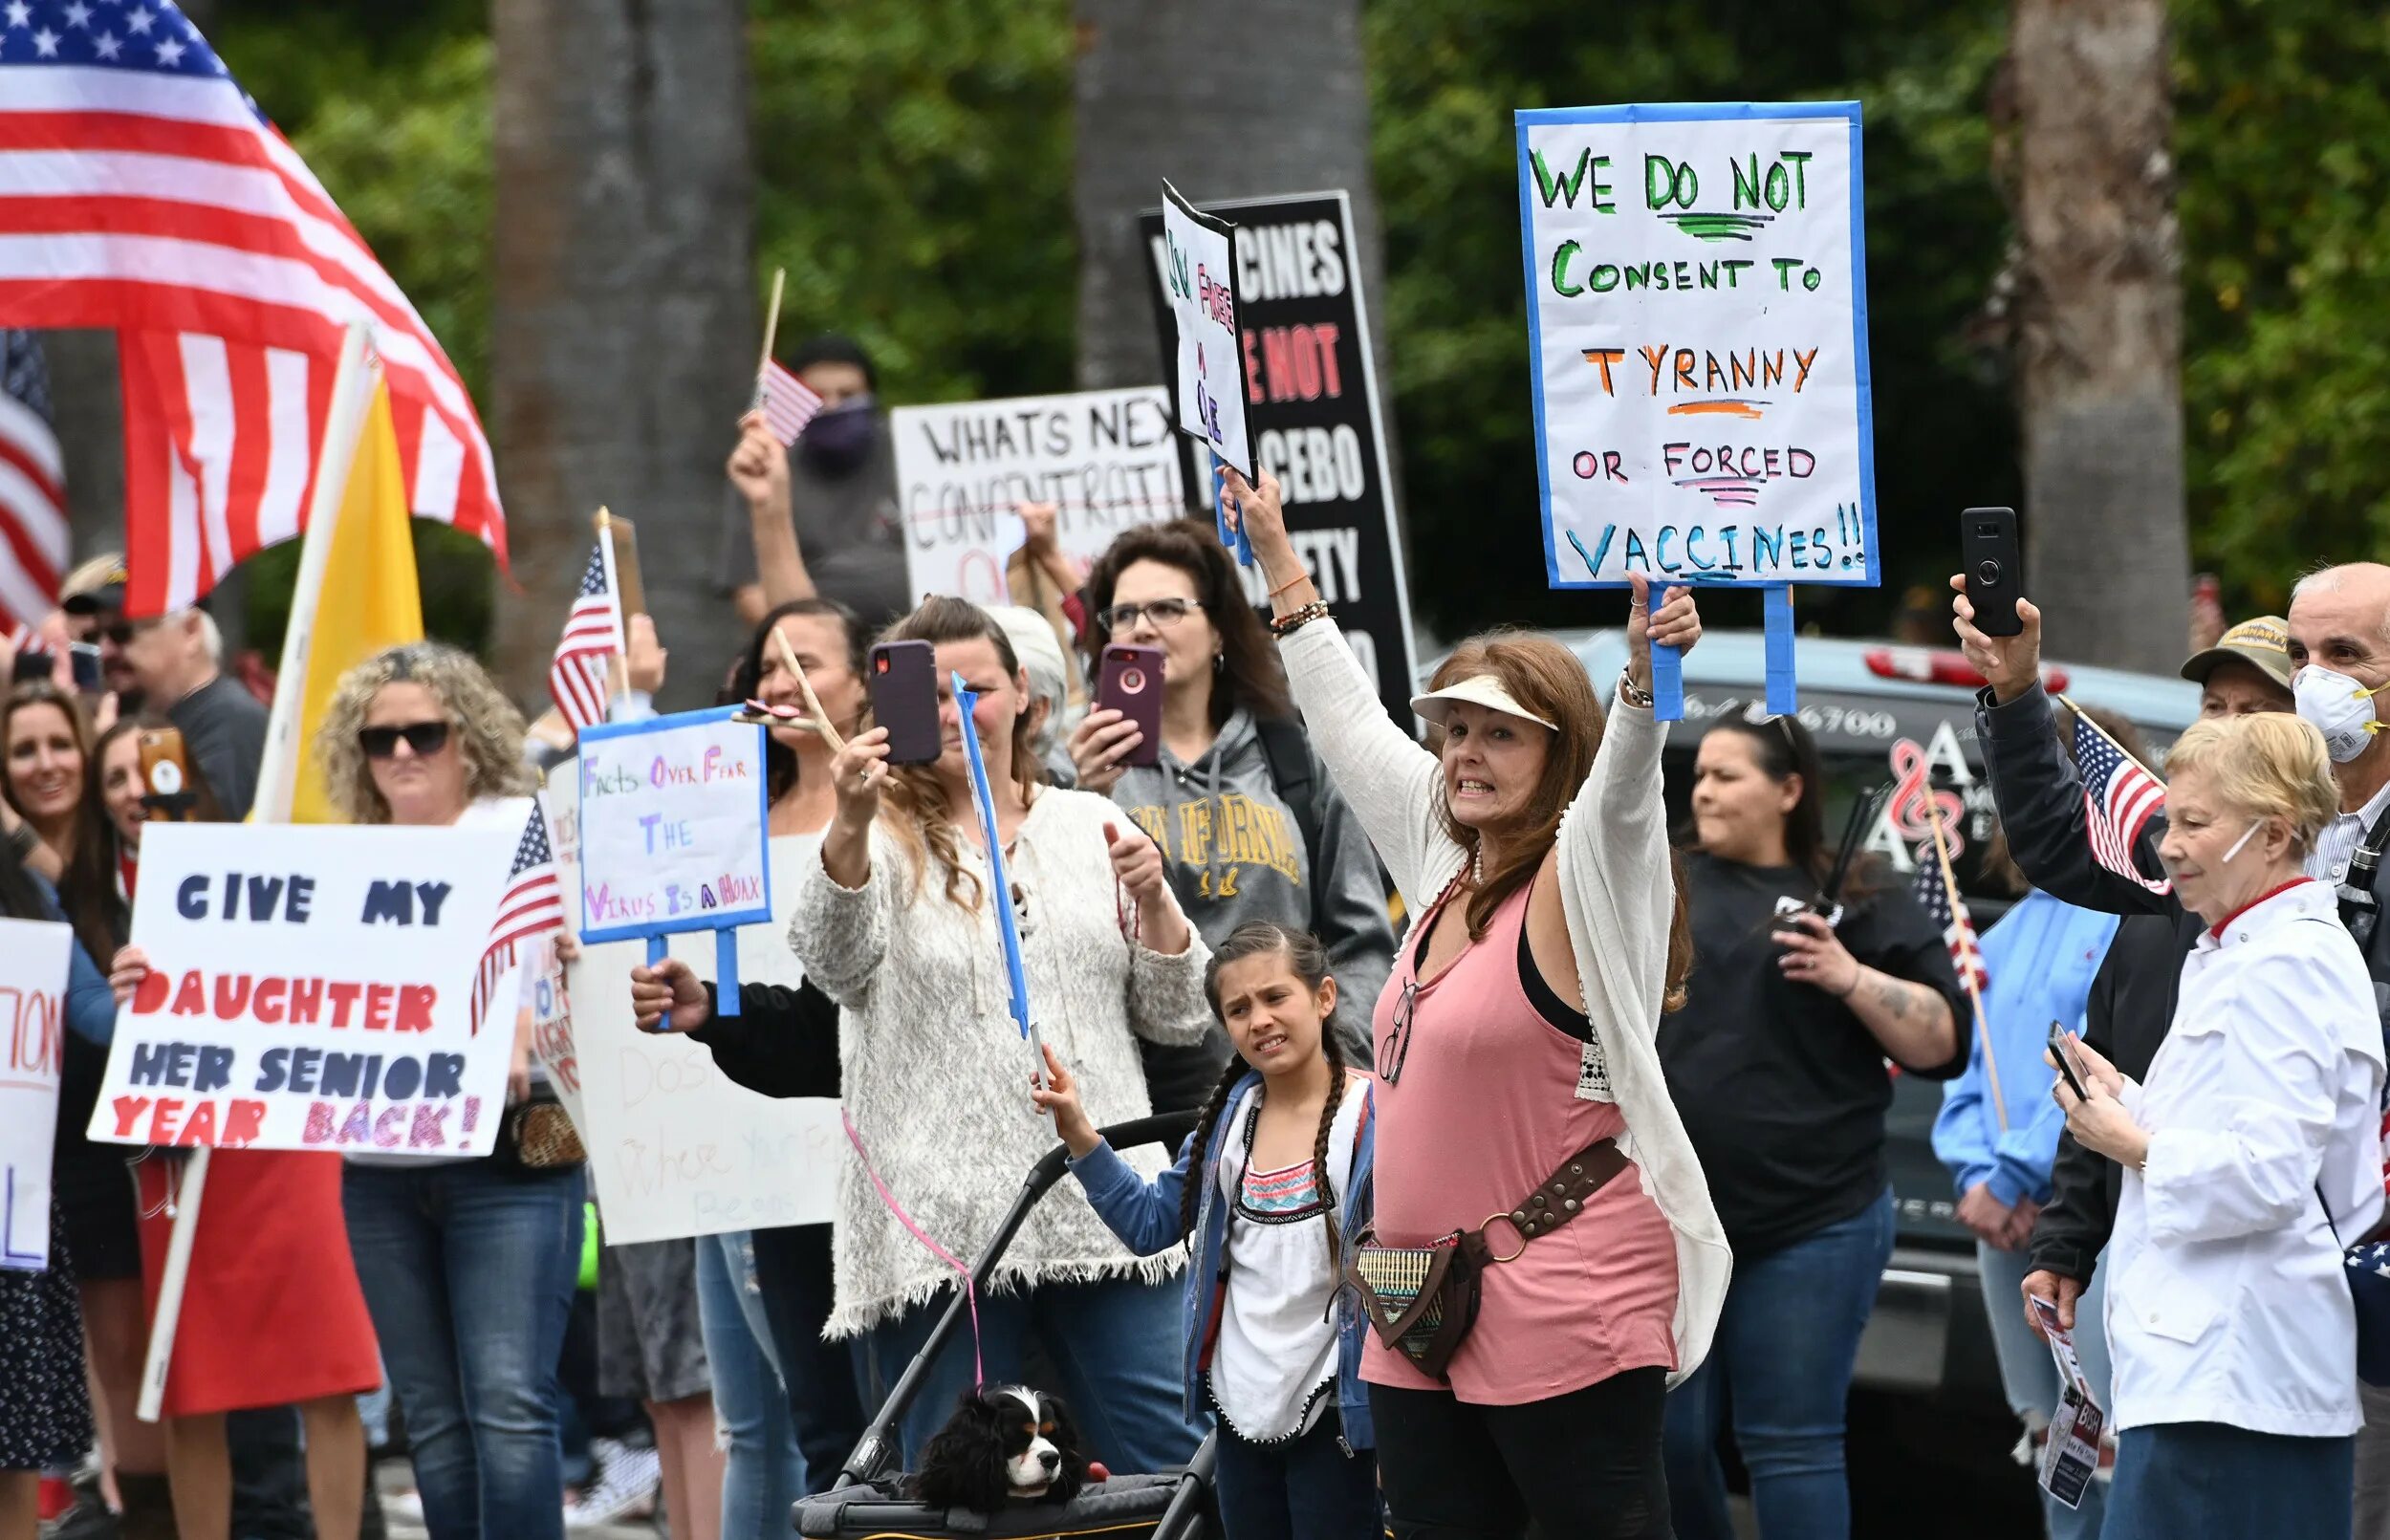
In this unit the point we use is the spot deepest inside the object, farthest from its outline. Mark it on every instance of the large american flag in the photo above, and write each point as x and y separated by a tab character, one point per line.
1936	887
533	906
788	403
578	677
32	488
142	191
2119	797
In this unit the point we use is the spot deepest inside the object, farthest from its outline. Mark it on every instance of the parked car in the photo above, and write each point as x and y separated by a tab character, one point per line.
1928	1405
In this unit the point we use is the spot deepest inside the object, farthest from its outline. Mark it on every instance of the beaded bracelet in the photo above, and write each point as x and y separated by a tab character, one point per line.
1288	623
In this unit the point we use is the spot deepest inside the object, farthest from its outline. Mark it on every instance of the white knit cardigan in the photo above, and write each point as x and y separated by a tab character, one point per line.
936	1077
1616	888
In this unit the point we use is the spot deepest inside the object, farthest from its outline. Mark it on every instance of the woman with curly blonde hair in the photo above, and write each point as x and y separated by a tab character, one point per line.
467	1265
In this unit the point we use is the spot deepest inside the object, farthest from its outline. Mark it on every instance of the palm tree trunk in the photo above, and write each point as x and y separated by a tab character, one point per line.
625	318
2100	328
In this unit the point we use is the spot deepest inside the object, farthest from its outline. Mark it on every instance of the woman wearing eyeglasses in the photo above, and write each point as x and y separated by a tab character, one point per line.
1520	1104
1777	1062
469	1266
1248	824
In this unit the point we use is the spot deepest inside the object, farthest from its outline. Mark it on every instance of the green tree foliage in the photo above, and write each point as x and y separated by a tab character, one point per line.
2282	132
916	162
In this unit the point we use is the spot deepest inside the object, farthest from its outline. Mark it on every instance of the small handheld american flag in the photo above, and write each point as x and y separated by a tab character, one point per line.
1936	887
532	907
2118	798
788	403
578	677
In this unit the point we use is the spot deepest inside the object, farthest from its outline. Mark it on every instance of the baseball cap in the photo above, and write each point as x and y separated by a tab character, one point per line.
1478	689
2265	642
97	585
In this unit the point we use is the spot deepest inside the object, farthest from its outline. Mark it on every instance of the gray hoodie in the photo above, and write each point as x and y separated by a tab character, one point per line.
1235	852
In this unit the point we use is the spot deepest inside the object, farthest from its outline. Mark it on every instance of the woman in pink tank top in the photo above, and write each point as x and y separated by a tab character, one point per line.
1520	1100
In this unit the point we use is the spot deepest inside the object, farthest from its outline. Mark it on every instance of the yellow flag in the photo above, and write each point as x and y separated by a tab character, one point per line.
370	598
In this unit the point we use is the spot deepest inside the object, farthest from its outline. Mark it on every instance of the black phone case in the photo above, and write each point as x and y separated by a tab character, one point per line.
1130	682
2066	1071
1994	563
904	679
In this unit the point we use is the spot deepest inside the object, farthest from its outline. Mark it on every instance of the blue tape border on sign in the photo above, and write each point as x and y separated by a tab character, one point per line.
1783	697
1863	372
707	919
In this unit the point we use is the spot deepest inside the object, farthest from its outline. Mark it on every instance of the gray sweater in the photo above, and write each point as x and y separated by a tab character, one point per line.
1235	852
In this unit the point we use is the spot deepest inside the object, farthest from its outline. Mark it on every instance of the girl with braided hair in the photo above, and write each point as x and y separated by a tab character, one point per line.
1278	1156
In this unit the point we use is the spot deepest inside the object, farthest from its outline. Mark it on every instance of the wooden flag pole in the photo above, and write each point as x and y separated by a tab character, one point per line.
812	702
771	332
1974	995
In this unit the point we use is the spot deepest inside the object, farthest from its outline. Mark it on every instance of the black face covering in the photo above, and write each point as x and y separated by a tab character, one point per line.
837	440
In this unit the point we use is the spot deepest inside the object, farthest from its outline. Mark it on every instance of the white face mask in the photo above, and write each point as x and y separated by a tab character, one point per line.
2339	706
2247	835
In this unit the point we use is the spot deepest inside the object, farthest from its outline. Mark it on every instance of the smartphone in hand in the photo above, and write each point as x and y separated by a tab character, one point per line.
1994	564
2077	1080
1130	682
903	677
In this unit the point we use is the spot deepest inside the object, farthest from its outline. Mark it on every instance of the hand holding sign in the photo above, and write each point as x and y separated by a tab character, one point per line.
1657	640
669	998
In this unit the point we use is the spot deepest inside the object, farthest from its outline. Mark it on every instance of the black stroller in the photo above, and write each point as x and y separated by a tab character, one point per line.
868	1502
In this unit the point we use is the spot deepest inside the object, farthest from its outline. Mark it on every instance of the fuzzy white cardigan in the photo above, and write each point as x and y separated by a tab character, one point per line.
1616	888
936	1077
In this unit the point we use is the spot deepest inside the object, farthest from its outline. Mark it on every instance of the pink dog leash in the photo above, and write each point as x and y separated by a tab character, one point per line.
970	1292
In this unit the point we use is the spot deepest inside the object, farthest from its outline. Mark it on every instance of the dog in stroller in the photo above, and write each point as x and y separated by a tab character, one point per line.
1004	1443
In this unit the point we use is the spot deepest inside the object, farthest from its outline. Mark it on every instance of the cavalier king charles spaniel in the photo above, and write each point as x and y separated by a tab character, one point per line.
1004	1443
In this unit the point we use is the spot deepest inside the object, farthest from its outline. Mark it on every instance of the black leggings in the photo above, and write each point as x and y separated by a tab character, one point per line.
1586	1465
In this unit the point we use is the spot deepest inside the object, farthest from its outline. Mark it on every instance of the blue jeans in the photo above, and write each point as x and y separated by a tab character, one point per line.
1116	1345
762	1476
2031	1376
792	1268
1305	1488
1782	1359
2178	1480
468	1271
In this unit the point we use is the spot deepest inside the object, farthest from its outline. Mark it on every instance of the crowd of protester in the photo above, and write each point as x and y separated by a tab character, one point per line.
1660	1059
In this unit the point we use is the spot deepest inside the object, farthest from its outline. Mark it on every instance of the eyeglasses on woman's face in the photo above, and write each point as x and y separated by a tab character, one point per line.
1163	613
422	739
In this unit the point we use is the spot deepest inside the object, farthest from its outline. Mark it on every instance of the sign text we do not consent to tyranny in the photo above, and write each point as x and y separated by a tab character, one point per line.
1697	291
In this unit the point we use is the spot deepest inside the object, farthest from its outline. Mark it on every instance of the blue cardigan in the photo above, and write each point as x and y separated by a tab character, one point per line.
1146	1216
2039	961
91	1007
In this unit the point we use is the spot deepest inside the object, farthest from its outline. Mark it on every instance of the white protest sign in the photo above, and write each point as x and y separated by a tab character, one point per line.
311	988
1106	457
32	1020
1199	273
675	1147
1695	279
671	825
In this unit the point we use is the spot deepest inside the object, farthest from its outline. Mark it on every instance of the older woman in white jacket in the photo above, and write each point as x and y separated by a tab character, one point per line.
2253	1147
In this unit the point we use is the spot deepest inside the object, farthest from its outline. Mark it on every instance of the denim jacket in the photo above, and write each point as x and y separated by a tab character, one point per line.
1146	1216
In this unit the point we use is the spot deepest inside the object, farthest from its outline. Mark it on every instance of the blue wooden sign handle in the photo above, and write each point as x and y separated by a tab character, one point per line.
1007	931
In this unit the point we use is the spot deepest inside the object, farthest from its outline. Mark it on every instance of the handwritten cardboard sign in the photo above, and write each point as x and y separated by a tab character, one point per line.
33	1049
1199	273
1107	458
671	824
311	988
675	1147
1695	281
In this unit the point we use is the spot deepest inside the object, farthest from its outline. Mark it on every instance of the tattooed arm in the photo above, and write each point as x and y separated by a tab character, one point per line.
1913	1019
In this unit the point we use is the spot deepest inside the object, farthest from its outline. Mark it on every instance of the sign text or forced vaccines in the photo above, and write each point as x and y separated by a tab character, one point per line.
311	988
1107	459
672	827
33	1054
1697	295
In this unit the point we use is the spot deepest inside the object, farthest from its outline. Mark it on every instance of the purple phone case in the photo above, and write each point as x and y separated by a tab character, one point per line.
904	681
1126	665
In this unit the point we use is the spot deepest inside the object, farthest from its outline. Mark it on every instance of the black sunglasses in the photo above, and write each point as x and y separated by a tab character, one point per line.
1398	1046
424	738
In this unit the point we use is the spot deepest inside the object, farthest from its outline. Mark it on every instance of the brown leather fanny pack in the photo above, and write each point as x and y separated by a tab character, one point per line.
1423	1299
